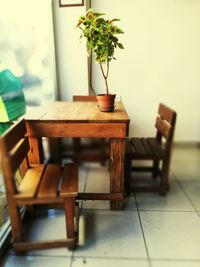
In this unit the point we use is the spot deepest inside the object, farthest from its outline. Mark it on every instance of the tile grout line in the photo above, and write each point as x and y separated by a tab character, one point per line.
176	260
180	185
140	220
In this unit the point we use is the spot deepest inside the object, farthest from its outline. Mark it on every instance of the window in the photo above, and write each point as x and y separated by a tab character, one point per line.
27	49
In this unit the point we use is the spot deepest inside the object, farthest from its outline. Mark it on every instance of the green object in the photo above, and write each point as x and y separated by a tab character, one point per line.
101	39
12	100
4	126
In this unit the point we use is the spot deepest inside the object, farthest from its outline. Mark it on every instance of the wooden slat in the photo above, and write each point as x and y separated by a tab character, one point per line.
60	129
26	246
100	196
30	182
40	201
156	147
13	135
49	184
36	112
138	147
24	166
163	127
70	180
166	113
148	149
129	147
13	162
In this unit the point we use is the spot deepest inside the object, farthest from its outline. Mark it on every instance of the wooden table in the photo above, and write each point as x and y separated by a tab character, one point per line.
83	119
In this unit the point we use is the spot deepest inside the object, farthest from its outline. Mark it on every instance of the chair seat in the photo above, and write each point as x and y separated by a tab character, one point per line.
48	183
144	148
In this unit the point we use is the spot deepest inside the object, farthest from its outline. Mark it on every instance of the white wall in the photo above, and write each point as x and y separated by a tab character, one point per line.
72	68
160	63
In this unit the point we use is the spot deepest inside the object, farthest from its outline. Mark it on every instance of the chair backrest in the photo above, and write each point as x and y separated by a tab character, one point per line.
165	124
84	98
14	147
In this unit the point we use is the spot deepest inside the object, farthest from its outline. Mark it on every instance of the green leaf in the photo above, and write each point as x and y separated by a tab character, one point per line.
96	14
120	45
115	20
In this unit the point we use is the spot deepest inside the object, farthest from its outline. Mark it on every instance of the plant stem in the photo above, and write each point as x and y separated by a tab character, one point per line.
90	74
105	75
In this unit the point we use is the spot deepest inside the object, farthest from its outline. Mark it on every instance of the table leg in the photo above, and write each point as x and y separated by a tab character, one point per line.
117	156
35	154
54	149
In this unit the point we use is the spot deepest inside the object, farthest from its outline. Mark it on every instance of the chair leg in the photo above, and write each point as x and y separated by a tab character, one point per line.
76	221
76	148
164	183
15	220
69	204
155	168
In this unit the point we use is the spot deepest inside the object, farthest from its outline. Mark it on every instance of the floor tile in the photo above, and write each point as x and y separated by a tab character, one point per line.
192	189
111	234
168	263
48	226
97	204
34	261
90	262
130	203
172	235
175	200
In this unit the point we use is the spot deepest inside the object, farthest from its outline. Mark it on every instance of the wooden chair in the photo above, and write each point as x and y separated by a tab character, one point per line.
39	186
157	150
96	149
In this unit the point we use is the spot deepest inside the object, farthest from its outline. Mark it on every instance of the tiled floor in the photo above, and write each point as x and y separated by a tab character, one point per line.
152	231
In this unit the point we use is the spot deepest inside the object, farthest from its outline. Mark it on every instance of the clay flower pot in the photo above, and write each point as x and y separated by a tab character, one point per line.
106	103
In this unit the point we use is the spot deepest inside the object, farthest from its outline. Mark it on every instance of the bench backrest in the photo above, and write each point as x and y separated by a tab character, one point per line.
14	147
165	124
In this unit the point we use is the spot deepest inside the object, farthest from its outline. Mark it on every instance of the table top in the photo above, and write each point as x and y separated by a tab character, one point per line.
64	111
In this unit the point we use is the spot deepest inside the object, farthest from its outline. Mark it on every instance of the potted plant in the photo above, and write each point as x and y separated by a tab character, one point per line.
101	41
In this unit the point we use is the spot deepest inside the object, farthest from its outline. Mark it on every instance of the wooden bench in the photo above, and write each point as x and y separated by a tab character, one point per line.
156	149
41	184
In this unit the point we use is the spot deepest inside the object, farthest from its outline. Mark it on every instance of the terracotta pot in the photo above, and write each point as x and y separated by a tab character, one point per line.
106	102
